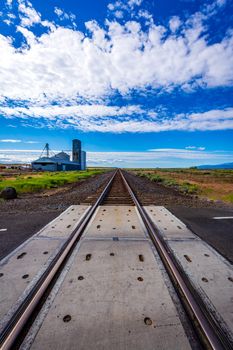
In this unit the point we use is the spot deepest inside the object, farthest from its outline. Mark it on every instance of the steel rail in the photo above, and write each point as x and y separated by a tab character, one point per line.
209	334
16	324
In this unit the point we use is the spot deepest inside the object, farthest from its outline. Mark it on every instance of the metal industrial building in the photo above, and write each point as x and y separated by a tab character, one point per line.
61	161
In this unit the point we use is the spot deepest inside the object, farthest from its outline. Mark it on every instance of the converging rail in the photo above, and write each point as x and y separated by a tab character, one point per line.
116	192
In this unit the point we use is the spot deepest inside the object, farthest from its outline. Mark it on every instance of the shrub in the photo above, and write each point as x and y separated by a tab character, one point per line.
189	188
156	178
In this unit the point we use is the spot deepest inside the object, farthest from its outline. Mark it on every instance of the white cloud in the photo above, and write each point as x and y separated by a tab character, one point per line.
11	141
31	142
119	14
9	2
111	7
214	114
132	3
65	63
12	126
63	15
126	5
174	23
212	7
147	16
221	2
195	148
17	141
28	14
116	119
7	21
189	154
11	15
59	12
18	156
10	18
83	111
29	36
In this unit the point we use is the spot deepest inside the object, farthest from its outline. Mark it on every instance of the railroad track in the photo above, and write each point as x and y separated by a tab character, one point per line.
117	192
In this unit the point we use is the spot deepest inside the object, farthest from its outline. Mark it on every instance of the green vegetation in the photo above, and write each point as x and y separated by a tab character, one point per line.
36	182
228	198
167	181
187	187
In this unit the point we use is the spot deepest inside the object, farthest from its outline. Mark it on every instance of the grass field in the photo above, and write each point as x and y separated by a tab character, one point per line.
35	182
213	184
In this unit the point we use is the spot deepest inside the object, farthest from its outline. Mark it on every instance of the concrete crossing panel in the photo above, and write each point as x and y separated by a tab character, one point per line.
65	223
209	273
120	221
18	272
21	269
113	297
168	225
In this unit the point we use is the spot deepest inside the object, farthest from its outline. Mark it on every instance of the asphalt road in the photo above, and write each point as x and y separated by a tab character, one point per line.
218	233
15	228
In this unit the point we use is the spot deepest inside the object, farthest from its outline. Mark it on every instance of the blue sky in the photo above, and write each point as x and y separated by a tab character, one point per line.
140	82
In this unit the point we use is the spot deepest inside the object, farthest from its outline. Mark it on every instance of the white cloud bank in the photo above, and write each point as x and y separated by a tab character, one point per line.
116	119
154	158
10	141
66	63
17	141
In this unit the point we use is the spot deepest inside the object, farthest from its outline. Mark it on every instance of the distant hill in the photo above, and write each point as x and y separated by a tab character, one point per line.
217	166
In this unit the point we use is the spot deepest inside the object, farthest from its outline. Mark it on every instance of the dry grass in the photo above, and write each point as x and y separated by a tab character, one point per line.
213	184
